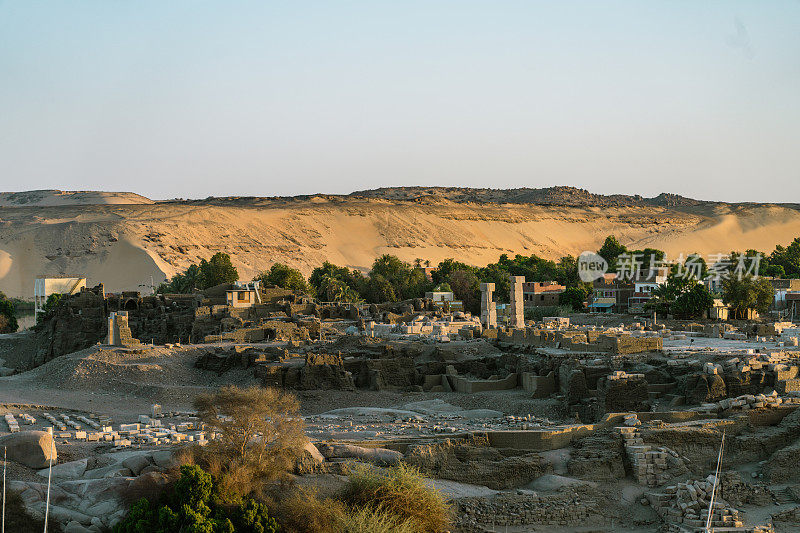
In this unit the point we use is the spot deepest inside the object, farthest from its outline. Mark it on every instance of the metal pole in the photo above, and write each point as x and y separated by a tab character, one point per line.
3	523
47	503
714	488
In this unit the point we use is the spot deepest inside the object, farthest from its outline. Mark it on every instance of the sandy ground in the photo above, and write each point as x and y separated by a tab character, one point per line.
123	245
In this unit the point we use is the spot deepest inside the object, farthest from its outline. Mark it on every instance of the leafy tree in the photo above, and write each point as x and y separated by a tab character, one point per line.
380	289
337	284
775	271
8	315
183	283
610	250
497	273
335	290
575	297
747	293
442	287
448	266
682	296
647	256
217	270
693	303
788	257
285	277
49	308
466	287
406	282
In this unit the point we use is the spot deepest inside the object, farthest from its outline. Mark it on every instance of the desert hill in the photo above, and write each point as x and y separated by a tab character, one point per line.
125	244
55	197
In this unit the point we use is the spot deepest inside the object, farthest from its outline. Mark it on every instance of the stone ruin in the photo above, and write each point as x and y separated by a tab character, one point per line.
119	333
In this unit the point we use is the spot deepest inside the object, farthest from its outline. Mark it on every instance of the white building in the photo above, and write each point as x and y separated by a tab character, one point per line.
44	287
244	294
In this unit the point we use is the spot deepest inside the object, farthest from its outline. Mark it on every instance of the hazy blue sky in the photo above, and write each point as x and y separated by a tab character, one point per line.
194	98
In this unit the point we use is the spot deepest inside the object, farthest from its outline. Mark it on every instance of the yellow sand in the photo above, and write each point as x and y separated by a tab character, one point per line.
123	245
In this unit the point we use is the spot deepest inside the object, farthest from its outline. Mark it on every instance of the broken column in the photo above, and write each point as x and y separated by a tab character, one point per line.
119	332
517	304
488	309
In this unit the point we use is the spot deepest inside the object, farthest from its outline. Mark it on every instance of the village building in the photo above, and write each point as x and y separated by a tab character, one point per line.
541	293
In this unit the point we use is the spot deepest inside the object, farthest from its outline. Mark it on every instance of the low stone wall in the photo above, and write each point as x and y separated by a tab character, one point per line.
583	341
528	509
460	384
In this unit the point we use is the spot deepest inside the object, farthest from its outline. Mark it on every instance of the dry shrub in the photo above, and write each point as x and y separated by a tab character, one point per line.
260	438
370	520
399	492
302	511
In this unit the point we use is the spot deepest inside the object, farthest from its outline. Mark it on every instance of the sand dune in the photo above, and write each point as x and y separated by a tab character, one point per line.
123	245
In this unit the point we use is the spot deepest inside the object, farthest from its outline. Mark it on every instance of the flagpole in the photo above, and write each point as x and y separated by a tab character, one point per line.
47	504
3	523
716	480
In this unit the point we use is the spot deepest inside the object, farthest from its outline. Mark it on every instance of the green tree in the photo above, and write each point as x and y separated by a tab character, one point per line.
49	308
747	293
338	284
8	315
788	257
575	297
380	289
406	282
217	270
446	267
466	287
193	506
285	277
683	296
610	250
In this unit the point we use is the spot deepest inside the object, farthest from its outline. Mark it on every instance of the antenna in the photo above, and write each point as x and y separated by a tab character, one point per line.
716	480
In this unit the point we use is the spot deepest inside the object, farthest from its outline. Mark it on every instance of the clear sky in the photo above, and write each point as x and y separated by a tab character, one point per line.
194	98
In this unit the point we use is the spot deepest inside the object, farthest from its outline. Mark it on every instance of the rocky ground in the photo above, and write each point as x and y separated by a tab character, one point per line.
599	482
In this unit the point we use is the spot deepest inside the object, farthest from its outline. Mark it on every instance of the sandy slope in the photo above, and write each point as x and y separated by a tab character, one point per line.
123	245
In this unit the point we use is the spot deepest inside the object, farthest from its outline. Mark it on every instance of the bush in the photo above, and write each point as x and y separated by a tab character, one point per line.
303	511
194	506
401	493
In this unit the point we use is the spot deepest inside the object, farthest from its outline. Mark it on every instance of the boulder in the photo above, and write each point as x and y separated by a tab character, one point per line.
313	452
137	463
76	527
378	456
164	458
70	470
34	449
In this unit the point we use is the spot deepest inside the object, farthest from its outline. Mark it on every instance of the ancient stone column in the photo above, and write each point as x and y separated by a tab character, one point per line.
517	303
488	309
111	338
